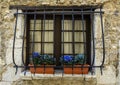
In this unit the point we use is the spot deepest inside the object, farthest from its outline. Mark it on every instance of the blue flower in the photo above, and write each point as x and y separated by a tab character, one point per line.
35	54
67	58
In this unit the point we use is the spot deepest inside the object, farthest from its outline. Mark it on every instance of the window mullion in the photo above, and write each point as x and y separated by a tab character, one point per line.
57	39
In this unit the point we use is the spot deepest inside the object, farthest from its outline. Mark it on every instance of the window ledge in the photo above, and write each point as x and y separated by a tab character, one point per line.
30	76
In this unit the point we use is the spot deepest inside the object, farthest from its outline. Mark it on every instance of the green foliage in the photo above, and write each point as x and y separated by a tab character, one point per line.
42	59
48	60
80	59
69	60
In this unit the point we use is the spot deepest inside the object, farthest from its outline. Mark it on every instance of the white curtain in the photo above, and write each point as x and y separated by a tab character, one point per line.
49	36
78	36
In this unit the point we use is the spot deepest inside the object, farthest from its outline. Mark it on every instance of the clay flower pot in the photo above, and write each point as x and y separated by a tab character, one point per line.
76	69
48	69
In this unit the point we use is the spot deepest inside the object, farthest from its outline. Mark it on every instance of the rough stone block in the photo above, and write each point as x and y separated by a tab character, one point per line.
5	83
9	74
108	77
18	43
17	56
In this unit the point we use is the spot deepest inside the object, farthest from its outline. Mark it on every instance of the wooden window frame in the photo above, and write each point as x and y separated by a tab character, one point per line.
57	39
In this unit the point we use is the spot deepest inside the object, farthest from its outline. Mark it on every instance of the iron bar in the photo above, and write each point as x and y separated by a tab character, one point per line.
74	31
61	54
103	41
42	30
62	31
44	19
83	39
93	41
33	39
53	38
13	50
101	70
61	42
41	36
59	12
25	18
52	7
73	40
62	66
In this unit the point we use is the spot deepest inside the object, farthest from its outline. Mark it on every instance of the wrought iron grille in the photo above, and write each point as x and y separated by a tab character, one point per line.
58	14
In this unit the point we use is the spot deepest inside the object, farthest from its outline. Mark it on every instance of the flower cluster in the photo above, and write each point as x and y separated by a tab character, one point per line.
69	60
80	59
42	59
49	60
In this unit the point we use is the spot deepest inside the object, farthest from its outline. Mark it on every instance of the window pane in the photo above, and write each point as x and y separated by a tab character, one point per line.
48	24
79	48
67	36
38	25
67	24
48	48
67	48
78	25
79	36
37	47
48	37
37	36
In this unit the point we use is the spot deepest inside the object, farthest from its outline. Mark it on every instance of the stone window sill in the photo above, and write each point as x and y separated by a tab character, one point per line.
30	76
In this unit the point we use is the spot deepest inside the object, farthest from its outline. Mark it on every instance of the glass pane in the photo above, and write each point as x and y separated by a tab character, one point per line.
78	25
79	48
37	47
37	37
67	36
48	36
79	36
38	25
48	24
67	48
48	48
67	24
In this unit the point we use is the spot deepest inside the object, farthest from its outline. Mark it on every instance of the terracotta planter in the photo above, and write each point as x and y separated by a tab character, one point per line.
42	70
76	69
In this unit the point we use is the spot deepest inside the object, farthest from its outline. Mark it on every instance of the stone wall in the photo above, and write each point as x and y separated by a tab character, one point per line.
111	21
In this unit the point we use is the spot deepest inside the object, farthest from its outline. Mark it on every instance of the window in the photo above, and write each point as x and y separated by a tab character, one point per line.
58	34
59	31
